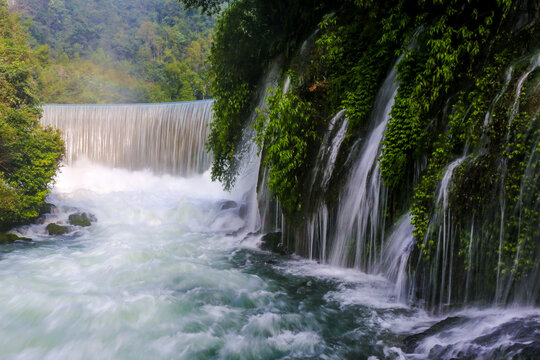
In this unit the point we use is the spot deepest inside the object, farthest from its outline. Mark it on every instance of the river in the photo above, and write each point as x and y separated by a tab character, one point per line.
161	275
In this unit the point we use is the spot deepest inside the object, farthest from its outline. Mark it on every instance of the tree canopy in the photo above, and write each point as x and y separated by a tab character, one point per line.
118	51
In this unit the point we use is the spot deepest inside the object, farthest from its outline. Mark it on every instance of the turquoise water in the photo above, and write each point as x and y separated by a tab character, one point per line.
160	275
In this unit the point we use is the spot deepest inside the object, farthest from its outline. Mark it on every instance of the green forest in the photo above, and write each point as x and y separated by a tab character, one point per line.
117	51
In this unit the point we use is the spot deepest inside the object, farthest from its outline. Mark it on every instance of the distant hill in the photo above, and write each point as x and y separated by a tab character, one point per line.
110	51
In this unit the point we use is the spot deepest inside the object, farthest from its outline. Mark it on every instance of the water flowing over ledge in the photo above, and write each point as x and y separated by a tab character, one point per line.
168	138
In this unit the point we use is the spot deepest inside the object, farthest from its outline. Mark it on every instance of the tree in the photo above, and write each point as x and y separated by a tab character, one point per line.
208	7
29	154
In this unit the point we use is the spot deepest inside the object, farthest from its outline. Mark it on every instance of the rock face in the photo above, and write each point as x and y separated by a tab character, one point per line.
55	229
82	219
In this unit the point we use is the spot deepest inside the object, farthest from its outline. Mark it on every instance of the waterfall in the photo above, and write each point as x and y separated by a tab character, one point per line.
248	159
534	63
358	232
396	254
442	222
166	138
330	149
317	225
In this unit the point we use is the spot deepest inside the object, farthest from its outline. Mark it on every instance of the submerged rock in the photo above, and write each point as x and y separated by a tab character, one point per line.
272	242
411	342
516	339
81	219
55	229
227	204
9	238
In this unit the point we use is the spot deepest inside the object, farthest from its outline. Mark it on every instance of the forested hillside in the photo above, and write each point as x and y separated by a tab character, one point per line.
117	51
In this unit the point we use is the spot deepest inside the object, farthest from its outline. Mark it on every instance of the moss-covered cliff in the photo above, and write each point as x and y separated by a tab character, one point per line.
460	149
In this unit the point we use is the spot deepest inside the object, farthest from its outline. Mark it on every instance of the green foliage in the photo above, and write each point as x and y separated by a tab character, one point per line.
118	52
287	131
495	189
207	6
249	34
29	154
233	82
465	126
355	63
445	52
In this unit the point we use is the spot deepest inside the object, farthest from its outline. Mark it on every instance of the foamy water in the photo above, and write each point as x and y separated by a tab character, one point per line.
162	275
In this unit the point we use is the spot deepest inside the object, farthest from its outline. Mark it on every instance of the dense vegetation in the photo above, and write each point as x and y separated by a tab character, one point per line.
29	154
454	98
117	51
259	31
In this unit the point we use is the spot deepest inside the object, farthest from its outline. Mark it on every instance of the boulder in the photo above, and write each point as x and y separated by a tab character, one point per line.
81	219
9	238
55	229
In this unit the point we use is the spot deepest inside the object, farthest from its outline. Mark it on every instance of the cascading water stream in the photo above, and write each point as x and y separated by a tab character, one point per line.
166	138
249	159
507	78
396	255
318	224
534	63
358	230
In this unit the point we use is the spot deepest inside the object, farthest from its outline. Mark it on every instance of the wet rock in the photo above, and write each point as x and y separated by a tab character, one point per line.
272	242
81	219
411	342
227	204
9	238
42	219
242	212
44	213
47	208
55	229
